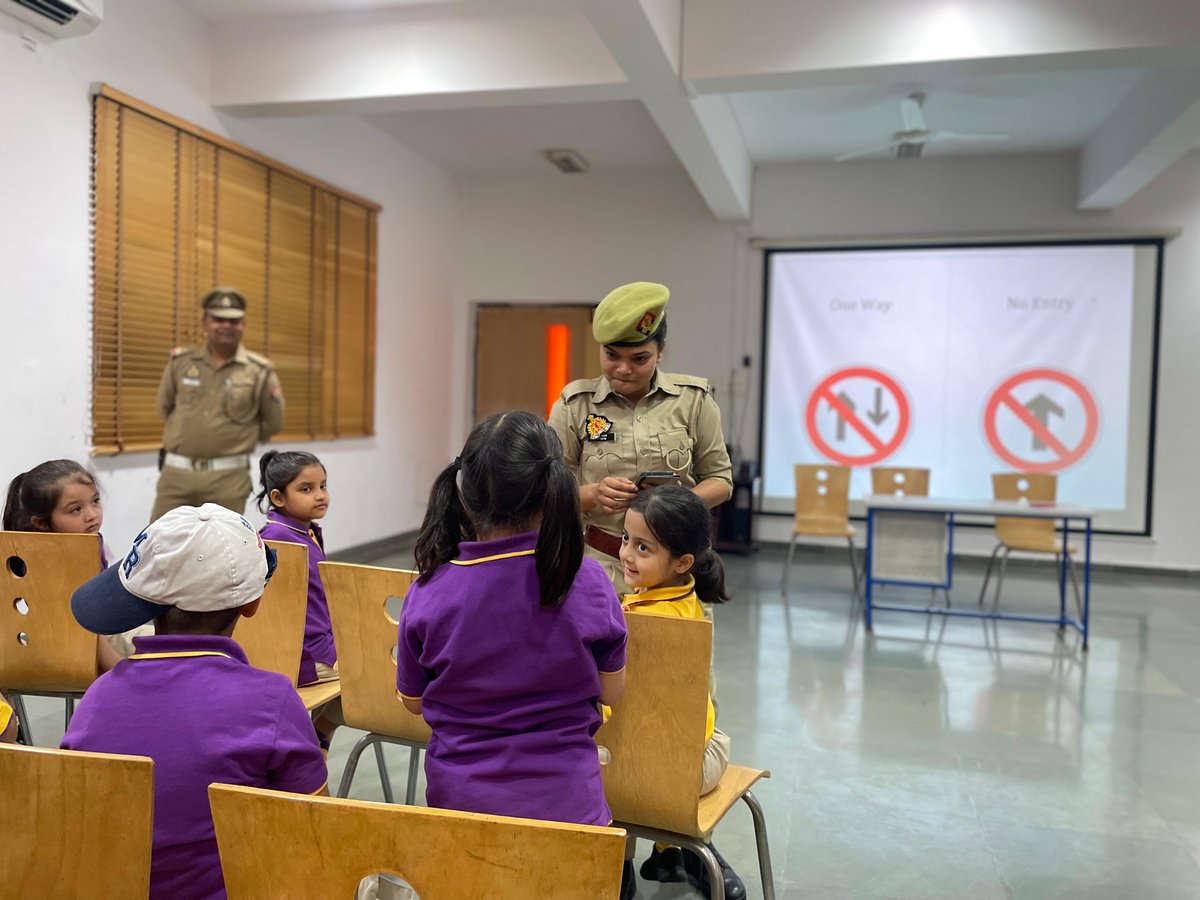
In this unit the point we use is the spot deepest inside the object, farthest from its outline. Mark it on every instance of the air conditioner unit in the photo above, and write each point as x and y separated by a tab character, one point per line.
58	18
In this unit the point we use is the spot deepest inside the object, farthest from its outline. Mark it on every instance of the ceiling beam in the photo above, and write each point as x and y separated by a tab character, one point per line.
1156	124
644	37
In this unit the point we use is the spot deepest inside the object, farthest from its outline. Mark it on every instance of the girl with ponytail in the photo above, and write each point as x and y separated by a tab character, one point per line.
668	559
509	637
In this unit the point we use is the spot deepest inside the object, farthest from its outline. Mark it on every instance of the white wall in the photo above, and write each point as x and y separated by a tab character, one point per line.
159	53
573	238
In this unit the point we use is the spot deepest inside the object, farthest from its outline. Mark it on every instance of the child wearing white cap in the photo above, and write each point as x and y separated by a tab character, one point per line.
187	697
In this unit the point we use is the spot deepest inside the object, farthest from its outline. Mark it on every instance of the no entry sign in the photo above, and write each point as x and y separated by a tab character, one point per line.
1021	396
861	401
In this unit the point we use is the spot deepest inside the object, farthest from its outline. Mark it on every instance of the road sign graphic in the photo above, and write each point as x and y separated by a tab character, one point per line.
856	406
1038	427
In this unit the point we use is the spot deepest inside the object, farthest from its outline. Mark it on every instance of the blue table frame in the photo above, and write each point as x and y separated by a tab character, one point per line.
948	509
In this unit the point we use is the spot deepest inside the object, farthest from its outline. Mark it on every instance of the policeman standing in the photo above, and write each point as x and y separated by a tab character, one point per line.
218	402
635	418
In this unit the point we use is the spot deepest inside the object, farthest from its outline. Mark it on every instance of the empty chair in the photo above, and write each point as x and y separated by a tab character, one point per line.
275	844
655	740
75	824
44	650
900	481
366	638
822	510
1025	534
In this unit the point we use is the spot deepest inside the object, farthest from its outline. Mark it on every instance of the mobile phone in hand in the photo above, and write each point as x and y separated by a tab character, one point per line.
654	479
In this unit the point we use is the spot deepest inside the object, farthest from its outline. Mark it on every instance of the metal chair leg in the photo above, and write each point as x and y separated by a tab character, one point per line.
760	840
414	769
716	878
1075	585
352	763
1000	578
384	778
70	711
987	575
787	566
854	568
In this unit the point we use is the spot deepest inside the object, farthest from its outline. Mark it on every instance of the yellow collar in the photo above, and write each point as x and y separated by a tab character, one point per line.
662	594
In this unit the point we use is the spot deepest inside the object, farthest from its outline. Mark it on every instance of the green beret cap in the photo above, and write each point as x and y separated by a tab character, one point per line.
224	303
631	314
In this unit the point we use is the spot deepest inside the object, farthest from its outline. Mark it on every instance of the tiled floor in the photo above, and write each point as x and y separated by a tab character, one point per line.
940	758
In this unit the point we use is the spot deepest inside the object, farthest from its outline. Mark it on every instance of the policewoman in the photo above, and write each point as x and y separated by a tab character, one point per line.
636	418
218	401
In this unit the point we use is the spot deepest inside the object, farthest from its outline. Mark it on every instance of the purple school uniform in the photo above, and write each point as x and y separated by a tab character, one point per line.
318	631
203	714
508	687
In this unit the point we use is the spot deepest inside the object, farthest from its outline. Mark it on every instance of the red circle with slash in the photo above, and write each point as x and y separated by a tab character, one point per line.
880	450
1064	456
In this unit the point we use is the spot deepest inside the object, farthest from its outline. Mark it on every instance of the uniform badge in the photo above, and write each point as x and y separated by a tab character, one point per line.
599	428
191	376
646	325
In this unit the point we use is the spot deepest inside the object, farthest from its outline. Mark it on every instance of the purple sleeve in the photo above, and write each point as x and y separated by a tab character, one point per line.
411	677
296	763
609	632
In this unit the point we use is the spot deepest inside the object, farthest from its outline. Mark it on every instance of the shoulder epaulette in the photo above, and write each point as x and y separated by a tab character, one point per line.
580	386
178	351
694	381
261	360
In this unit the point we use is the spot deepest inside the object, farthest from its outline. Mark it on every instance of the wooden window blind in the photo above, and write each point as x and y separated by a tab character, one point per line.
178	211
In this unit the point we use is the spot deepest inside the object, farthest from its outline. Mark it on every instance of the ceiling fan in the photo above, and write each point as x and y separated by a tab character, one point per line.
912	140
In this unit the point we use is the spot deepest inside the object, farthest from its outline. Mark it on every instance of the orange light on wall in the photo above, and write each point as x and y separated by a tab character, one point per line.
558	362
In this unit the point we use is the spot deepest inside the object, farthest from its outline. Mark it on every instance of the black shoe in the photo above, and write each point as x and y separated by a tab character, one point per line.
697	873
666	866
628	881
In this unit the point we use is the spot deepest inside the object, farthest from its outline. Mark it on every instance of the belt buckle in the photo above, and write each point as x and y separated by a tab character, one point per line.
200	465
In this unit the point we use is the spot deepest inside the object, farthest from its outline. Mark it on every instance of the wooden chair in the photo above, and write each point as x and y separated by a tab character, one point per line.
43	650
358	597
901	481
273	638
75	824
822	510
656	742
276	844
1027	535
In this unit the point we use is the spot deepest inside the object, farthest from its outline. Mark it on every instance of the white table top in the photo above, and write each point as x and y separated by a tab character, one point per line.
1025	509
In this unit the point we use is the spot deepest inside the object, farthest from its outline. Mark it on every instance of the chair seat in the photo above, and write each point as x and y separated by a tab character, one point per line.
713	805
315	695
820	526
1034	545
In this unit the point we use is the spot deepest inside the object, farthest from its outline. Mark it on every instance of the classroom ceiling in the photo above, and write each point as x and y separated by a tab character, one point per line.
486	86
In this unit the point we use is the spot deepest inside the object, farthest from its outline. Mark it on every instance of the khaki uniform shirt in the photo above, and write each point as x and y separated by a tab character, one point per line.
212	412
676	427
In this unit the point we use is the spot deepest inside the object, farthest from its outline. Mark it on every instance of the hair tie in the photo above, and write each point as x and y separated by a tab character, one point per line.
547	462
457	464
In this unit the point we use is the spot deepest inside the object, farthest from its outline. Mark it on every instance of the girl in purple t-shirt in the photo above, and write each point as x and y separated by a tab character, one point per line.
295	493
510	637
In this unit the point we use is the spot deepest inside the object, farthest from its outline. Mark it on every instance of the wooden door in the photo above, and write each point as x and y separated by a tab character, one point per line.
525	354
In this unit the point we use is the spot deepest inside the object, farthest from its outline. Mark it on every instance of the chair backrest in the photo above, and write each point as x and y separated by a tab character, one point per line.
1034	487
75	824
273	638
656	732
358	597
900	481
275	844
42	647
822	493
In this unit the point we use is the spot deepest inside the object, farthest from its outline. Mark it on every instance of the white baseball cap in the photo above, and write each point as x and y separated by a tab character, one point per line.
199	559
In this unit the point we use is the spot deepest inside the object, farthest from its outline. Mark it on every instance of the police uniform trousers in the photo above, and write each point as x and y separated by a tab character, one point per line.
185	487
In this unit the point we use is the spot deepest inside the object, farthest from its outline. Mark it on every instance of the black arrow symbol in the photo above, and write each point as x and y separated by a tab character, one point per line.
878	414
1042	408
841	422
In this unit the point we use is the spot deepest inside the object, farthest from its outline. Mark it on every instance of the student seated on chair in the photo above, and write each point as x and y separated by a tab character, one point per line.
187	698
509	636
667	557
